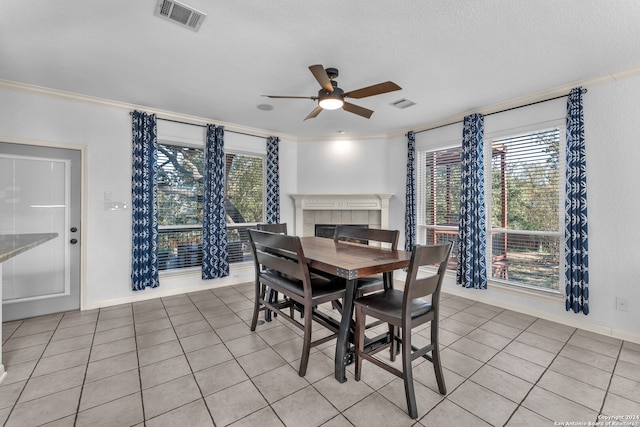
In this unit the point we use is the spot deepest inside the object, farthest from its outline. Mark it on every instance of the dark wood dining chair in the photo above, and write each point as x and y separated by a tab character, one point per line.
367	236
279	228
280	264
405	310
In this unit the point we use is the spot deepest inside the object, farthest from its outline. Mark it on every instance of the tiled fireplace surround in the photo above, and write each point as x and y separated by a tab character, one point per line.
312	209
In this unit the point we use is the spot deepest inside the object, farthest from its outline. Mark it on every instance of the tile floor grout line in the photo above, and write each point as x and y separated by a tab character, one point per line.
613	372
241	314
193	374
135	341
310	384
542	375
86	367
269	404
235	360
468	378
34	366
173	328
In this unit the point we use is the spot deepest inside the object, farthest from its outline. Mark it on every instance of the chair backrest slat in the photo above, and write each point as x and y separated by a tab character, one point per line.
425	286
346	232
280	228
281	253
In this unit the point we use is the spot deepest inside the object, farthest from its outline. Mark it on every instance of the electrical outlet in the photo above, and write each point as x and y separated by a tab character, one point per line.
622	304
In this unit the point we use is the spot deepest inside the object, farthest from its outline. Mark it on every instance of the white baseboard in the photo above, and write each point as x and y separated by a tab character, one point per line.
193	283
574	321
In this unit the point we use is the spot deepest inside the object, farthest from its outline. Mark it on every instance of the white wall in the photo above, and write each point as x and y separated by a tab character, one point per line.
352	166
613	150
343	166
356	166
105	131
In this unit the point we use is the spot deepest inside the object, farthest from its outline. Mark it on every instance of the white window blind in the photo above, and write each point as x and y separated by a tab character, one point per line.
525	208
524	195
439	171
180	204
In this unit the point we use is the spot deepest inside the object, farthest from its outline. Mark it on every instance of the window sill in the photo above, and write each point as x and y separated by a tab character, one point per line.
179	271
548	294
499	286
196	271
505	296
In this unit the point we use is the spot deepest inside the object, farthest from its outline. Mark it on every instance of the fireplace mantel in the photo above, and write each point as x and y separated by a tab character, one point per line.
375	202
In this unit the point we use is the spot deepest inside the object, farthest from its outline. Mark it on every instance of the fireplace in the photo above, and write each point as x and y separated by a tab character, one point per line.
370	210
327	230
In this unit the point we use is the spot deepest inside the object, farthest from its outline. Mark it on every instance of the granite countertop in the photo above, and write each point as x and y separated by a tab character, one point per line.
14	244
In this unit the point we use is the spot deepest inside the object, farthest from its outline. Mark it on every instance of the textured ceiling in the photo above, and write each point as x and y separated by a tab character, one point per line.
448	56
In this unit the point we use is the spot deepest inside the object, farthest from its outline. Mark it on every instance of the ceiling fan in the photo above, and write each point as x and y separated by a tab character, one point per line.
331	97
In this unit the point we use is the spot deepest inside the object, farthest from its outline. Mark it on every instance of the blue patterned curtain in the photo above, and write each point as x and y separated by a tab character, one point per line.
144	202
273	181
576	250
215	254
472	268
410	210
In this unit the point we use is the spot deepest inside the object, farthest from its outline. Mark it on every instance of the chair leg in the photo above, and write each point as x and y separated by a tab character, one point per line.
408	373
271	298
394	343
306	346
435	356
359	337
256	305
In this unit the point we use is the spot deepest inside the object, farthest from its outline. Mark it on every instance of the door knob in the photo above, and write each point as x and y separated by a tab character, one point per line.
73	241
74	229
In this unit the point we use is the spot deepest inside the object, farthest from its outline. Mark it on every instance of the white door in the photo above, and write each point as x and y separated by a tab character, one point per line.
40	193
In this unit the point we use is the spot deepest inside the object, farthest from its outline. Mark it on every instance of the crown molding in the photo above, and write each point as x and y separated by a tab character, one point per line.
528	99
165	114
515	102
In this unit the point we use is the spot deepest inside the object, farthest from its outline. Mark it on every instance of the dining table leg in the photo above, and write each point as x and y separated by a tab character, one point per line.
342	344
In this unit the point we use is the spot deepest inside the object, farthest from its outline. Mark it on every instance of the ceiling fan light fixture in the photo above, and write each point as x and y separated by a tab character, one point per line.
331	103
331	97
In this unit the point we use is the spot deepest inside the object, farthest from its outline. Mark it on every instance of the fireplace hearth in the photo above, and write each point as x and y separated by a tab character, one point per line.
370	210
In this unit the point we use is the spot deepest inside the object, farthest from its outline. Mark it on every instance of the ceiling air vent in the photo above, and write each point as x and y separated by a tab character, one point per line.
403	103
180	13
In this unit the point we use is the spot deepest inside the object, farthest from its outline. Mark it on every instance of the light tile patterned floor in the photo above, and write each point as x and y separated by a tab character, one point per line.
191	360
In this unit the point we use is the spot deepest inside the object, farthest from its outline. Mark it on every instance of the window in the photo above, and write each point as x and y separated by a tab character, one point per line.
180	204
526	205
524	197
439	176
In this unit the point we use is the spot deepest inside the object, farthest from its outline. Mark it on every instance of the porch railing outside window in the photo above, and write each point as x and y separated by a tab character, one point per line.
526	257
525	243
180	204
181	246
526	209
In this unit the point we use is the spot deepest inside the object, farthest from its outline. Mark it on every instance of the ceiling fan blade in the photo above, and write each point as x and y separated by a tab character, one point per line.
373	90
314	113
356	109
291	97
321	76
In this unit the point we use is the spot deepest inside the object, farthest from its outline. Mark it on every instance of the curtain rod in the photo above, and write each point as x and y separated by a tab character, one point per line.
204	126
584	90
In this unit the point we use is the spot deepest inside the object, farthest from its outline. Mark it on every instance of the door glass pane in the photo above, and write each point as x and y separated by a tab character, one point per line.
34	198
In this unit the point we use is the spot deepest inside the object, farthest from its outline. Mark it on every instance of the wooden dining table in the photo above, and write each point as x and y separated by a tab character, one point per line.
350	261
